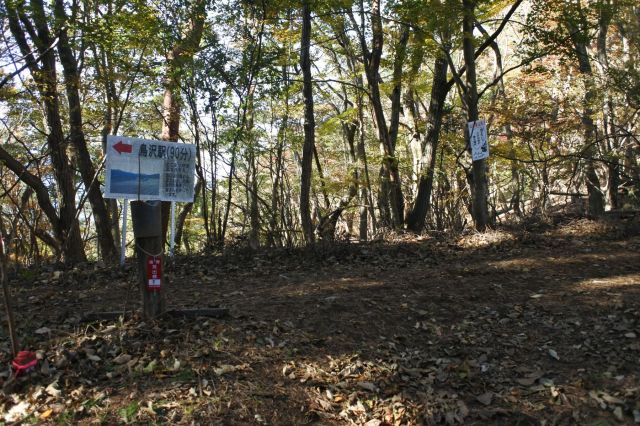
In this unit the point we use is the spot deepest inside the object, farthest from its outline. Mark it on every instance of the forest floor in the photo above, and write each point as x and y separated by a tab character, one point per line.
537	326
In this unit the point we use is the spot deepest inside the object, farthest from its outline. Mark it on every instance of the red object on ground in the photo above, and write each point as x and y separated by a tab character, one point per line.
24	362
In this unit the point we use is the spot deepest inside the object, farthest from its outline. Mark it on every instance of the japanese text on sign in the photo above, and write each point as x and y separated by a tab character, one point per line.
154	273
149	170
478	139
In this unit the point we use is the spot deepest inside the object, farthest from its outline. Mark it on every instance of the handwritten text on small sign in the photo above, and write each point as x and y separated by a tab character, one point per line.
478	139
149	170
154	273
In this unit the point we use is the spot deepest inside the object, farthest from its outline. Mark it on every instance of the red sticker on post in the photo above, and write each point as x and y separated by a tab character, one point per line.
154	273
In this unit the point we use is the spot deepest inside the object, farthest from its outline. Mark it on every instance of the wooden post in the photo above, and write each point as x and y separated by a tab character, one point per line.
147	229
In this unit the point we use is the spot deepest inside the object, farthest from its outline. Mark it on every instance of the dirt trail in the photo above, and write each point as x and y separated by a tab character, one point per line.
505	328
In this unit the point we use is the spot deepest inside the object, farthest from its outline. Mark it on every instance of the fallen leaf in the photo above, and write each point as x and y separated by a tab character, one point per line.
367	386
546	382
17	412
286	370
53	390
553	354
485	398
122	359
463	409
150	367
612	399
46	414
227	368
325	405
527	381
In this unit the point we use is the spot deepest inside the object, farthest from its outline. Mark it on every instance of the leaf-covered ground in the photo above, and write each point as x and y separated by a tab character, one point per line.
523	327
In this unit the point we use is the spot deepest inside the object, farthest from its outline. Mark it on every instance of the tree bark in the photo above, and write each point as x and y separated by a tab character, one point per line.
45	75
76	135
309	125
391	196
366	209
596	198
328	224
429	146
184	213
611	142
390	163
274	236
181	53
479	169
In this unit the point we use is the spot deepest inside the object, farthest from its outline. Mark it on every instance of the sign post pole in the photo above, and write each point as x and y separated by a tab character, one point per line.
147	228
173	228
149	172
123	243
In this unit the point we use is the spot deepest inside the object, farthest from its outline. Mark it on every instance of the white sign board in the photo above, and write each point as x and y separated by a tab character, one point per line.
478	139
140	169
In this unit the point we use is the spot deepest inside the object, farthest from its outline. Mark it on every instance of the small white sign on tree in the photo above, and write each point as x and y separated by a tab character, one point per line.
478	139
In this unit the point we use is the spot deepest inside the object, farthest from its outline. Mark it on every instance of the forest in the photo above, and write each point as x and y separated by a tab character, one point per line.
405	212
340	120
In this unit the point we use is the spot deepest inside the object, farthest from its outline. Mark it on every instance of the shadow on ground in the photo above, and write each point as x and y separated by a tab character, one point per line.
501	328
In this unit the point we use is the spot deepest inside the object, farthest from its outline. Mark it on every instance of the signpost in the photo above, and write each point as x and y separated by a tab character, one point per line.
478	139
143	169
148	172
123	239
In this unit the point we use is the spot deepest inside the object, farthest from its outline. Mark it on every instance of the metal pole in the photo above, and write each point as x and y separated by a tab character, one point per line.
123	243
173	228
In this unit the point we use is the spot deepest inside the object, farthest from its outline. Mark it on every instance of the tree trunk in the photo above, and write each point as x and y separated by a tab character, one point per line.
391	196
309	125
201	186
180	55
390	172
328	224
596	198
254	211
429	147
76	135
184	213
611	139
170	121
274	235
67	228
366	201
479	172
104	71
